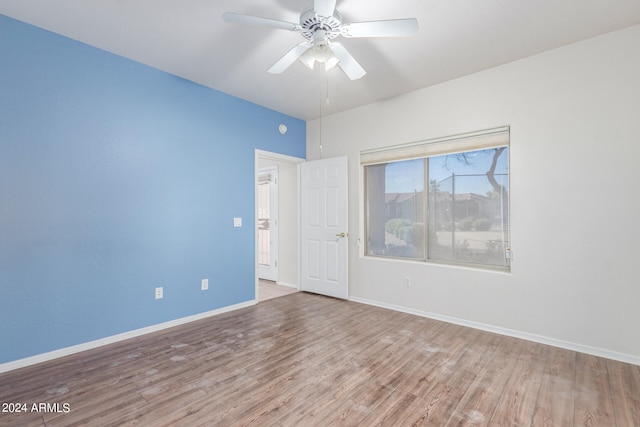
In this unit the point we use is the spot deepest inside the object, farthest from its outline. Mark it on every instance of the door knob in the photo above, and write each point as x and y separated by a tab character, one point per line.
341	235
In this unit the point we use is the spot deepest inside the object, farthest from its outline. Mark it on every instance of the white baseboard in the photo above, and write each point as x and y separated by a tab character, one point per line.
21	363
622	357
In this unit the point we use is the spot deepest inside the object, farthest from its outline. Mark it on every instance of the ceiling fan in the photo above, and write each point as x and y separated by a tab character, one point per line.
320	25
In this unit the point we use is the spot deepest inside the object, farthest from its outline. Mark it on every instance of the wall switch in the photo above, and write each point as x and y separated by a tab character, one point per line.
407	281
204	284
237	222
159	293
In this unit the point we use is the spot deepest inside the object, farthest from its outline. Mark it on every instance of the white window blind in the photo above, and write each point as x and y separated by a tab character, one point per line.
452	144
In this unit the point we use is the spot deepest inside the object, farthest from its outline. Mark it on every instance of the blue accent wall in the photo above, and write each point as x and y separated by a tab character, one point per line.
116	178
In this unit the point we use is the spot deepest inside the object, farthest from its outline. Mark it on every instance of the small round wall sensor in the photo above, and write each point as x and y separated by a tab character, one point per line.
282	128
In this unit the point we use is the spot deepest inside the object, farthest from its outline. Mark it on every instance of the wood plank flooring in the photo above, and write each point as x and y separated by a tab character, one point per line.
308	360
268	289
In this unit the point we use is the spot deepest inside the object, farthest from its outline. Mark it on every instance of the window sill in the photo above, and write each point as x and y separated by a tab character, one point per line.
443	264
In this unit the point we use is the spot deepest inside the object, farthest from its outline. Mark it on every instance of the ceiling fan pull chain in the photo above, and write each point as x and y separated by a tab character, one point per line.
326	79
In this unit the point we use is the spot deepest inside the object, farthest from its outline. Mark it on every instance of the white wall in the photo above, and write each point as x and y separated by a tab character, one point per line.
288	230
574	114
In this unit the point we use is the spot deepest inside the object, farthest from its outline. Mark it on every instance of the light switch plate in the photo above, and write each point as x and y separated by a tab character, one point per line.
237	222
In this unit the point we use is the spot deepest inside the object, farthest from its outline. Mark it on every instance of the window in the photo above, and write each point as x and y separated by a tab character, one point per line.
444	201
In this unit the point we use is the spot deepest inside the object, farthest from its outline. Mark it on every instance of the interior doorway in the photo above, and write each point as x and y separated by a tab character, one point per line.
284	230
268	224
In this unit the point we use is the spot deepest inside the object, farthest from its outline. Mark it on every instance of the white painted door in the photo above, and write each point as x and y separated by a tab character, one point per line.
323	227
268	224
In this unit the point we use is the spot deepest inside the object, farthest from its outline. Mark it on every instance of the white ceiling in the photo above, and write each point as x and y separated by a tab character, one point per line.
188	38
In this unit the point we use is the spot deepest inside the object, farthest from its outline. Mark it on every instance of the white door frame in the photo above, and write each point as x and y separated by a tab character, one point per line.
280	158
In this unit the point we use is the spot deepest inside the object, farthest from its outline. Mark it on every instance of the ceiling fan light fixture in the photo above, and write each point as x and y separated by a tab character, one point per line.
308	59
322	53
319	53
331	63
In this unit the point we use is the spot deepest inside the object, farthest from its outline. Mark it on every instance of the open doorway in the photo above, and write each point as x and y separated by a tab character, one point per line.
277	229
268	224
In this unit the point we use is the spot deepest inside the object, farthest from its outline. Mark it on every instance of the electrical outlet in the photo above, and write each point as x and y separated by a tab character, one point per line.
159	293
407	281
204	284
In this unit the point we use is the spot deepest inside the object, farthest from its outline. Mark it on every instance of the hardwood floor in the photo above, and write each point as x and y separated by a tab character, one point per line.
304	359
268	289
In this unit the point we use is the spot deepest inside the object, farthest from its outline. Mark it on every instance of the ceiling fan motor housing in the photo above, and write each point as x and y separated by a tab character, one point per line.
319	29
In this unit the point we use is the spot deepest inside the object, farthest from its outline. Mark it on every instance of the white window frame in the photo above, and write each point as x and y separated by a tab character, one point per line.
479	140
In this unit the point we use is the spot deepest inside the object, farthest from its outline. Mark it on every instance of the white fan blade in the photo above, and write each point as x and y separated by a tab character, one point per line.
263	22
291	57
348	64
324	7
391	28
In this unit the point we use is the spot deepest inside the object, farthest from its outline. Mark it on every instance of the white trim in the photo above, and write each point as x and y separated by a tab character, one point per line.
44	357
567	345
269	155
298	225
